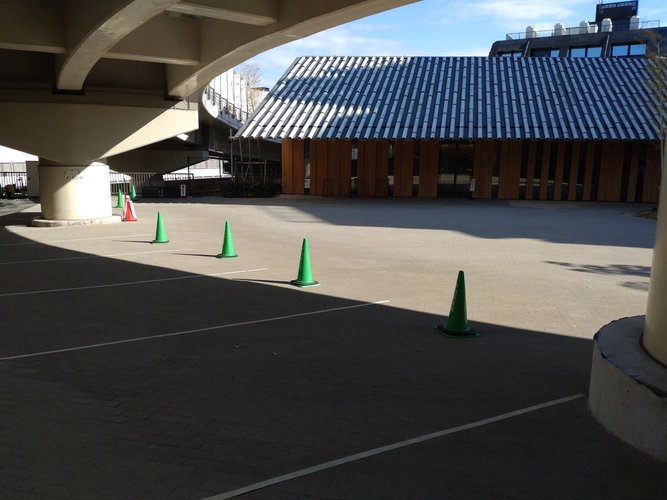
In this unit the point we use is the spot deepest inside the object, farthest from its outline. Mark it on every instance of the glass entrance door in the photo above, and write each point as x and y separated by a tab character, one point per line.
455	162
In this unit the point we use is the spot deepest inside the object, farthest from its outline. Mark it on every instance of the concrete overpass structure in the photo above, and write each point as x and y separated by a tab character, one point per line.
82	81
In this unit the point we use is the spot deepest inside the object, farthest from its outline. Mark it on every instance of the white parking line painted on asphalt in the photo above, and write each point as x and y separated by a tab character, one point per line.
384	449
198	330
127	283
94	256
77	239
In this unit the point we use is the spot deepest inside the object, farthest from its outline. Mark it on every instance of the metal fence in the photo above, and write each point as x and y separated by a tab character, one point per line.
14	184
578	30
224	106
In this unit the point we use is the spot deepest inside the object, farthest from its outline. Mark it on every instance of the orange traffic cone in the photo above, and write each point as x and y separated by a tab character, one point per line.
129	215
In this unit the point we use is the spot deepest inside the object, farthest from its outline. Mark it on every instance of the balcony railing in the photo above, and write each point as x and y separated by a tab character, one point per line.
224	106
578	30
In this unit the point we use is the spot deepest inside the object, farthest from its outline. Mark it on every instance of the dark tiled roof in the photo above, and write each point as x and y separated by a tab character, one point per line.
457	98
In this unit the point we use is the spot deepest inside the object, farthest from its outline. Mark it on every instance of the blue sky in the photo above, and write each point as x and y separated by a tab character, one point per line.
439	28
430	28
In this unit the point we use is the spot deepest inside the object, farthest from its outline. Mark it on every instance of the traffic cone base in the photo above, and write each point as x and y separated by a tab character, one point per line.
457	321
456	335
305	277
227	245
304	284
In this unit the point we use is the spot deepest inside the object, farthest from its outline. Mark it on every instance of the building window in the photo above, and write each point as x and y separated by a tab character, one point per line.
628	49
514	53
593	51
544	52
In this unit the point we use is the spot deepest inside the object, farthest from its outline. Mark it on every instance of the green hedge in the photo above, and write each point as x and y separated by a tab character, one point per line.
239	189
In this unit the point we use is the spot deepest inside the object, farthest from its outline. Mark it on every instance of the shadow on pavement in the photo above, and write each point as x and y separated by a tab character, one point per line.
207	410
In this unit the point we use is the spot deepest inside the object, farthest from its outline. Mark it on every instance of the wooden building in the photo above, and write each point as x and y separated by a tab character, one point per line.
524	128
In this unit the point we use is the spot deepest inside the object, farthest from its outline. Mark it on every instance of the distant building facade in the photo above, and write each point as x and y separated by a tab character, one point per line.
509	128
616	32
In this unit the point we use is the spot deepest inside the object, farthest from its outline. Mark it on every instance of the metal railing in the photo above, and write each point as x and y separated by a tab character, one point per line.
224	106
13	184
577	30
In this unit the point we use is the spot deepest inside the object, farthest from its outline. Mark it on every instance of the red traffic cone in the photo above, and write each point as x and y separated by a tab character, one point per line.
129	215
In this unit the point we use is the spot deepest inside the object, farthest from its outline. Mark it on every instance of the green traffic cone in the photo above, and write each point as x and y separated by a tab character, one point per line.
119	203
305	276
133	194
457	321
160	236
227	245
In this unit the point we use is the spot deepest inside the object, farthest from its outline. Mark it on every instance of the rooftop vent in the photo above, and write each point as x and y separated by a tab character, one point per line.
606	25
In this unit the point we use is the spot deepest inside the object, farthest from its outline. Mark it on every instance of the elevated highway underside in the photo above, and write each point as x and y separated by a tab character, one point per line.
84	81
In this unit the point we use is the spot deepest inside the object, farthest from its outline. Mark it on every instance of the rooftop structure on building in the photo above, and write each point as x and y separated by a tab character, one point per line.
617	31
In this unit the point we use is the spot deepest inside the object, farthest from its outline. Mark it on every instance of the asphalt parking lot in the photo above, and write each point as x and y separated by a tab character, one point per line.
130	370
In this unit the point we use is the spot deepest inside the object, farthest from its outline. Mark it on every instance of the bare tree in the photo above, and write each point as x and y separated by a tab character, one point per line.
656	54
252	74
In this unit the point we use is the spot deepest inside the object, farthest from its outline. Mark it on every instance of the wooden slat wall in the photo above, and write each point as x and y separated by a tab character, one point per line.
574	171
588	173
318	166
361	167
381	167
344	166
544	176
366	168
403	165
333	168
604	172
298	172
618	159
611	171
287	167
503	177
372	166
483	168
634	169
514	159
530	175
428	169
650	192
558	176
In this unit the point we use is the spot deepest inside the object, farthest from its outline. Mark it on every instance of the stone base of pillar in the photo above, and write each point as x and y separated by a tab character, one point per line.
40	222
628	390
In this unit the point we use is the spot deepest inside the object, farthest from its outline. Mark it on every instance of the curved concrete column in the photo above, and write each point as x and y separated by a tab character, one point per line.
74	192
655	326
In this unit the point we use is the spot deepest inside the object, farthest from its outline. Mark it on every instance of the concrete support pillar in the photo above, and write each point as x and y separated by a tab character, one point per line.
655	326
74	192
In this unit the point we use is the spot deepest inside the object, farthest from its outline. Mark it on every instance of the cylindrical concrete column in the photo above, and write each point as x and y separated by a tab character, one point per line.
655	327
74	192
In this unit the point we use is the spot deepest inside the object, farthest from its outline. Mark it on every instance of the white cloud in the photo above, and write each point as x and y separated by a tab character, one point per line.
508	13
340	41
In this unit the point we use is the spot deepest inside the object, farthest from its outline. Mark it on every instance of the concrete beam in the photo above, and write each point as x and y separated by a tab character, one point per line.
92	28
163	39
226	44
32	25
256	12
36	26
160	161
78	134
